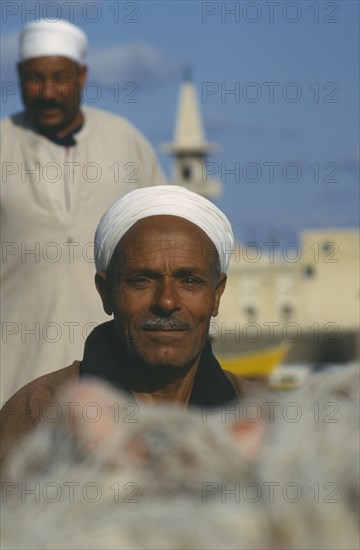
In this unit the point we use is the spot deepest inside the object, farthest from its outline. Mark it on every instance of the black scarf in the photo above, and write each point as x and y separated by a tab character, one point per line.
103	358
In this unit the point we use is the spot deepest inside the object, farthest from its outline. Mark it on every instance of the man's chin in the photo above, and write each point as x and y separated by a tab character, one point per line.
174	350
48	126
167	358
51	122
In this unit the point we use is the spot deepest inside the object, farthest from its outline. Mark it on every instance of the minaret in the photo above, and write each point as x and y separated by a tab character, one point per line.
189	147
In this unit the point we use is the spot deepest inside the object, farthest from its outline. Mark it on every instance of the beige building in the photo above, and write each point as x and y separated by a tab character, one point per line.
305	294
330	288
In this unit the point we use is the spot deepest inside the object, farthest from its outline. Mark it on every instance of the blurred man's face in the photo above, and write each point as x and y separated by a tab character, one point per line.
51	91
163	287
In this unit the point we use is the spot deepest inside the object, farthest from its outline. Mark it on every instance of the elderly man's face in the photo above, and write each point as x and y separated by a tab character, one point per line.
163	286
51	89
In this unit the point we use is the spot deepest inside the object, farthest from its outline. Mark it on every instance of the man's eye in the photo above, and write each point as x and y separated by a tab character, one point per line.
138	281
192	281
64	77
33	78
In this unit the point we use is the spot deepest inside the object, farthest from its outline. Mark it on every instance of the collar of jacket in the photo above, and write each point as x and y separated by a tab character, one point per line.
102	359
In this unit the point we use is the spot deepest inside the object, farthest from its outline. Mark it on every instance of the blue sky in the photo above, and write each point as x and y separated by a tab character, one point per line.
278	87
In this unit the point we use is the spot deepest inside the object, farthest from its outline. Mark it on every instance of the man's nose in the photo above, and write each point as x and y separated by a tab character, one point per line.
166	296
50	90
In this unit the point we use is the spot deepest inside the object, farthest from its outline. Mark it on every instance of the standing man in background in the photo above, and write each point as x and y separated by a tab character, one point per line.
62	166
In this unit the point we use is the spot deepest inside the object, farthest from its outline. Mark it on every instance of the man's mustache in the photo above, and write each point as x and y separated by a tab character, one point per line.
48	105
161	323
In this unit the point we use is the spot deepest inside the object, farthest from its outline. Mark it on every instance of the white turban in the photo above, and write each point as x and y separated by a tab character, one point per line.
52	37
171	200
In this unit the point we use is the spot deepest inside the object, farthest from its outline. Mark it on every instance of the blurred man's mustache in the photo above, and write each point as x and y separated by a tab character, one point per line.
161	323
48	104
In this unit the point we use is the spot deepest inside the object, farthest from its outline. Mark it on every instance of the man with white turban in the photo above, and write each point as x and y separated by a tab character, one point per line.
63	165
162	254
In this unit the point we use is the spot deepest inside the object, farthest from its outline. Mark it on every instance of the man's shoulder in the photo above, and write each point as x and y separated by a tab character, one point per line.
33	403
56	378
15	130
115	133
106	118
49	383
42	389
242	386
18	120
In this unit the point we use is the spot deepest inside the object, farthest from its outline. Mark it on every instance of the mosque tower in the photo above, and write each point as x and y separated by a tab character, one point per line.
189	147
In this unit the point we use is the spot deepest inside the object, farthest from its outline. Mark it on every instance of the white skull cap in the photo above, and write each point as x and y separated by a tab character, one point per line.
171	200
52	37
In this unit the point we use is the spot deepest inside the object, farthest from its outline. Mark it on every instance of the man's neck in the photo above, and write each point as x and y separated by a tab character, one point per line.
165	384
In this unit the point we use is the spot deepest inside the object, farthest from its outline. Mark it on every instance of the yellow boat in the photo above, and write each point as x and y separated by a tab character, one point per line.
255	364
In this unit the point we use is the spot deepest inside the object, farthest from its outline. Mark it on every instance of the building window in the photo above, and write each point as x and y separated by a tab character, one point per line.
186	172
287	312
309	271
250	312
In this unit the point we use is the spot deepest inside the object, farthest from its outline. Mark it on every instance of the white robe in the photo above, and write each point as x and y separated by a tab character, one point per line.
52	199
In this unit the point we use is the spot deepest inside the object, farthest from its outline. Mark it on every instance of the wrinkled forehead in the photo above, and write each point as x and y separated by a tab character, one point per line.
166	236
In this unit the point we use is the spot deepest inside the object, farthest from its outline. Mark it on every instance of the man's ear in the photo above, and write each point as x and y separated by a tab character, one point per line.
220	287
82	75
19	68
104	288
